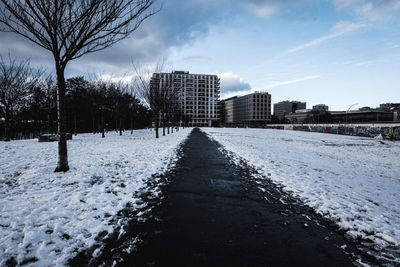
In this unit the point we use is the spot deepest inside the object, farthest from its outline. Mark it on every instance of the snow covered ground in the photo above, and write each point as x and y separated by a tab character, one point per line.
47	216
353	181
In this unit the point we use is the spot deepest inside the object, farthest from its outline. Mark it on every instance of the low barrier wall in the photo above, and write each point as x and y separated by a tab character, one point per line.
391	132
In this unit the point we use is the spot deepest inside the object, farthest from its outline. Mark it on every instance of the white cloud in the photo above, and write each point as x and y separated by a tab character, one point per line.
370	9
126	79
239	93
262	9
339	29
197	58
355	63
247	90
232	83
364	63
342	4
273	84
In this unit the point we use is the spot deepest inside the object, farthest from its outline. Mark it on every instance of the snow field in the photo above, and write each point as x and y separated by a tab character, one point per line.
47	217
352	181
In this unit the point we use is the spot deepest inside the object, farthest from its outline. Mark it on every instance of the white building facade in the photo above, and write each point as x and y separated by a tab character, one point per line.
197	95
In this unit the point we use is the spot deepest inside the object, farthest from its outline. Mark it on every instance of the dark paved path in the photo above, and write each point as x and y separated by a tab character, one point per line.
214	214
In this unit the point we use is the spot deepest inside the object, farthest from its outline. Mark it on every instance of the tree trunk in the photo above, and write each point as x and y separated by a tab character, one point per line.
156	126
48	121
172	128
75	123
120	127
102	123
7	125
169	122
11	125
62	165
48	116
163	124
93	125
131	125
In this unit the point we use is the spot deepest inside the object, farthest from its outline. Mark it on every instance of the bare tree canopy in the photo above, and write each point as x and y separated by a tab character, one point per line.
158	94
70	29
16	80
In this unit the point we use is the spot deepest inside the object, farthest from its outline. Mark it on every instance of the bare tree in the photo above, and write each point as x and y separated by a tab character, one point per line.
150	92
41	104
100	87
16	80
170	102
70	29
48	87
175	110
162	87
133	107
120	97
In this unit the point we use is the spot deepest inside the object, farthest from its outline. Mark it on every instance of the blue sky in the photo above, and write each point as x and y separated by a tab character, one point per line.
315	52
336	52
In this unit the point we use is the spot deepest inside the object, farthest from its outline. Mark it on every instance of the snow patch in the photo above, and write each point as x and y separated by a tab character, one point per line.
352	181
46	217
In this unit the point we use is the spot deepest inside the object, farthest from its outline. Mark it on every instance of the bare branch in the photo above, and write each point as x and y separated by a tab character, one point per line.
70	29
16	80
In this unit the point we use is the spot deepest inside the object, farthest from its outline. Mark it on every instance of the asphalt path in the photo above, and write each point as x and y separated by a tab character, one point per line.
213	212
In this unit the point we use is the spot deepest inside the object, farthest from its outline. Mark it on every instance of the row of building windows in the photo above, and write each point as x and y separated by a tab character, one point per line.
247	108
198	94
187	77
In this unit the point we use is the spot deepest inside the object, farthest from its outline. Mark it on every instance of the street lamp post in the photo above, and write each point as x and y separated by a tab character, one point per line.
348	112
349	109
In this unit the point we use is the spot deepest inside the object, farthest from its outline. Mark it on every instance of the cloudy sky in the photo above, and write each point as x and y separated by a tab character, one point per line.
336	52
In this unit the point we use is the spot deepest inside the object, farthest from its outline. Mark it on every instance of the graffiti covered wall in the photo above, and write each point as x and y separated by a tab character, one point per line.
368	130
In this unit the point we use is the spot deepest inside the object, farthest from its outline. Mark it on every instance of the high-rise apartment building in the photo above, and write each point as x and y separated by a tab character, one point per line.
286	107
196	94
251	109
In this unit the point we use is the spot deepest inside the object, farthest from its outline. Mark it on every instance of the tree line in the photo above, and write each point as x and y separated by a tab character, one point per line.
69	29
28	104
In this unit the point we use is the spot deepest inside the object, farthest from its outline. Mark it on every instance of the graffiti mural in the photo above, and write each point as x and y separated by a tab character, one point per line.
362	131
373	131
389	133
396	133
288	127
334	130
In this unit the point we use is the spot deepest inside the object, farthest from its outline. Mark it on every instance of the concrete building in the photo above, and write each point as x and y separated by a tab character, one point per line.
389	106
361	116
353	116
300	116
319	113
197	95
227	113
285	107
388	112
320	108
249	110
